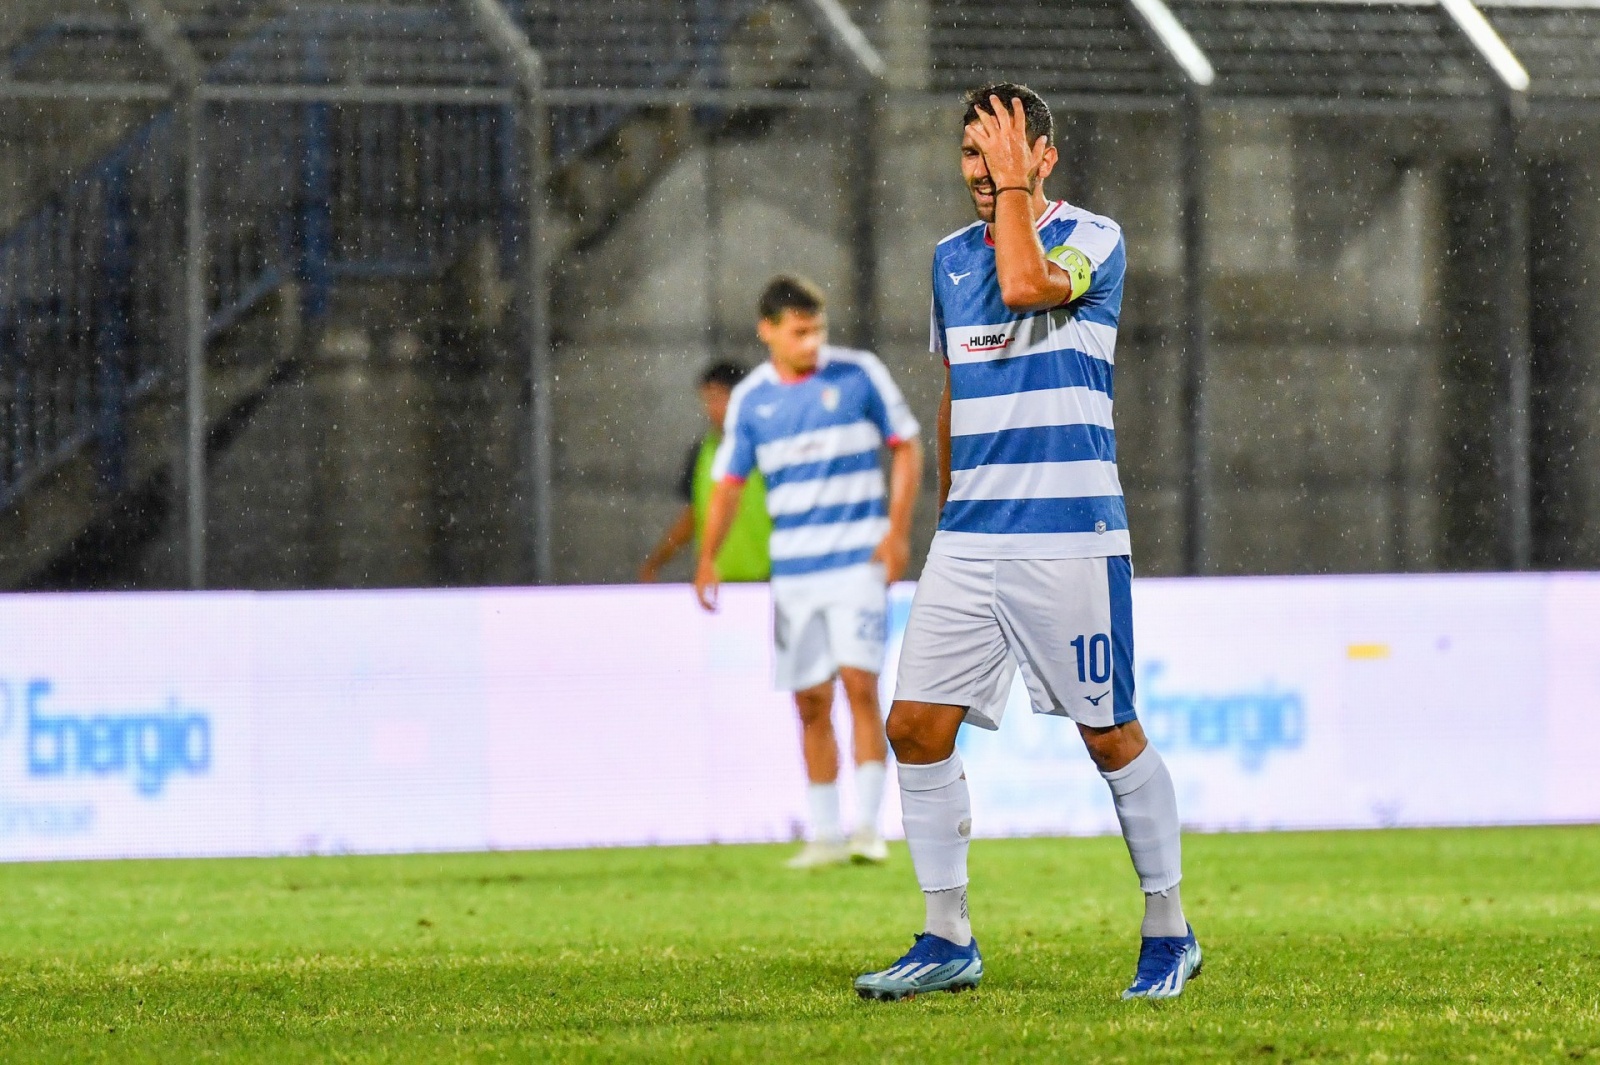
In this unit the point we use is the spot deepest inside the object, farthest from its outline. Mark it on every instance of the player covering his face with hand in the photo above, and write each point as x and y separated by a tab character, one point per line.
1030	566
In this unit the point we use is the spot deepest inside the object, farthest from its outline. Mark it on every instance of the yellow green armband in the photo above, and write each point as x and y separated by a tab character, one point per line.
1076	264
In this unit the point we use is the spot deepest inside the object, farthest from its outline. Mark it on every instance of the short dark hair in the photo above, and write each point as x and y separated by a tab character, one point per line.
1040	122
788	293
725	374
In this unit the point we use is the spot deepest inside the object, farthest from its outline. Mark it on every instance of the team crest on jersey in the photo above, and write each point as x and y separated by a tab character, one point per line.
830	398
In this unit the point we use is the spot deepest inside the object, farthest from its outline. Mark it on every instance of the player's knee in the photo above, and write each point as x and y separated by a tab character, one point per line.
1112	748
900	732
916	736
815	705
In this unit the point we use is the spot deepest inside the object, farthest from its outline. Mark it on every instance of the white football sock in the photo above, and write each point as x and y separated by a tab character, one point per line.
947	915
1147	807
869	796
823	799
1163	914
937	814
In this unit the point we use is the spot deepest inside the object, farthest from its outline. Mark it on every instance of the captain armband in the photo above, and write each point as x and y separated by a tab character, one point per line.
1079	270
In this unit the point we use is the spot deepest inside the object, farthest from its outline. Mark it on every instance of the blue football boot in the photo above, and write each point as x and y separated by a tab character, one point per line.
932	964
1166	963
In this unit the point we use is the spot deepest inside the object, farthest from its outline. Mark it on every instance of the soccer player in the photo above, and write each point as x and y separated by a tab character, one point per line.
744	553
1030	564
813	419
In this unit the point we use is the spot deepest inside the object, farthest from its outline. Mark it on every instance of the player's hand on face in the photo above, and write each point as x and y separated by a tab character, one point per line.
707	584
1002	137
893	554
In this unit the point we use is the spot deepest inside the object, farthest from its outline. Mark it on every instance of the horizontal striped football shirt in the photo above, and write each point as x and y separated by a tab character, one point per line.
816	443
1033	454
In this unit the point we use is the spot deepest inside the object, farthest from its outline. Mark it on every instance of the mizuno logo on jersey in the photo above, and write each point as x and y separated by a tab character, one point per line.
956	279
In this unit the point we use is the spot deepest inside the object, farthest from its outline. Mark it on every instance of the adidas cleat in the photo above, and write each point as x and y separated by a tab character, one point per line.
1166	964
932	964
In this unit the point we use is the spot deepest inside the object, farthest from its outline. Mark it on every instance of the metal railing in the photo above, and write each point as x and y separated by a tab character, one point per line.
310	192
89	296
86	310
640	45
304	144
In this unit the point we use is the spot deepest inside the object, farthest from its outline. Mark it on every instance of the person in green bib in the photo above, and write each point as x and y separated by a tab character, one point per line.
743	556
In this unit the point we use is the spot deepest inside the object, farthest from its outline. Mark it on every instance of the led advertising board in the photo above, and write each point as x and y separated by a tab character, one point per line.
354	722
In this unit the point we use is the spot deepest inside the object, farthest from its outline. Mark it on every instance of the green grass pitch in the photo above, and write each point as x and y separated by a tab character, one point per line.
1362	946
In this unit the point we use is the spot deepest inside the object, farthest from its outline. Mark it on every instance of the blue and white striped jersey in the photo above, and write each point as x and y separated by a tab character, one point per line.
816	443
1033	455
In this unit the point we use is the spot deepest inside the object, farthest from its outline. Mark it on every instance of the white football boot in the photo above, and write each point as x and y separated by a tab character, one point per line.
819	853
866	846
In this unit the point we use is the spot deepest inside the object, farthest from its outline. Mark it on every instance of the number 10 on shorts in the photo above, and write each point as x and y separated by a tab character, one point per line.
1094	661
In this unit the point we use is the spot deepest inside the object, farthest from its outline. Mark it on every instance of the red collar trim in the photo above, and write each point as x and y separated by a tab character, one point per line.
1055	205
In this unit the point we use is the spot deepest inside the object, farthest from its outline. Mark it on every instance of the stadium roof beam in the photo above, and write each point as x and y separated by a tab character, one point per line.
1558	44
831	16
1089	55
1339	55
1506	66
1176	41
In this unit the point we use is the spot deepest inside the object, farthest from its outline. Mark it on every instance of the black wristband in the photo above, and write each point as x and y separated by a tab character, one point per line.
1012	188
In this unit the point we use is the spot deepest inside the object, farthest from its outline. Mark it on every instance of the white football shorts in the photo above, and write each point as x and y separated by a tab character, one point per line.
822	621
1066	622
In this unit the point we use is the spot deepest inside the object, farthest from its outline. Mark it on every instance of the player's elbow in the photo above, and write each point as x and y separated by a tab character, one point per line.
1024	297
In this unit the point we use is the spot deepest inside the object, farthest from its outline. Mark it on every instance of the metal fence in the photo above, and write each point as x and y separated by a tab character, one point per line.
1491	65
86	309
91	297
306	145
274	143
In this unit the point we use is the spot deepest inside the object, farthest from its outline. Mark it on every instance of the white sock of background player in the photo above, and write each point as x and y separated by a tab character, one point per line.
937	813
869	796
823	801
1147	807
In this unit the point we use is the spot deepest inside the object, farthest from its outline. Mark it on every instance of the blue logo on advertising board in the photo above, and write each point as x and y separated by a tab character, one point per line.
145	746
1254	723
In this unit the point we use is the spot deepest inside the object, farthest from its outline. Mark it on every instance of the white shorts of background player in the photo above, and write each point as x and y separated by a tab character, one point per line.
826	620
1066	622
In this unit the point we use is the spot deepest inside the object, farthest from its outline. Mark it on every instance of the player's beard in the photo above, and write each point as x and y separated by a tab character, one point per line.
982	193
